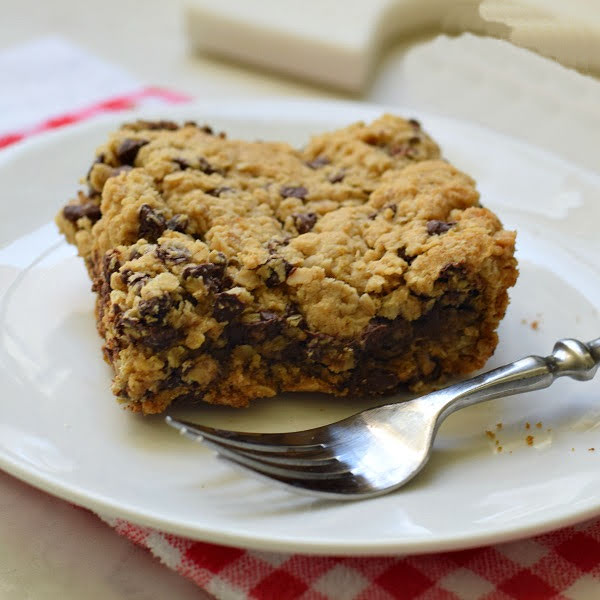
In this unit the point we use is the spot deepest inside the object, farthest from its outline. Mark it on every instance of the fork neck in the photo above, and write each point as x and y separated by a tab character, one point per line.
570	358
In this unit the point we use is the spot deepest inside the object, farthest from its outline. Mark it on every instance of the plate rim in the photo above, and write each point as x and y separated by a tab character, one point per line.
105	508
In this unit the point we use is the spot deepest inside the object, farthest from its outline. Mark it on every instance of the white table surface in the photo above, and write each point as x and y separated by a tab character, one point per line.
50	549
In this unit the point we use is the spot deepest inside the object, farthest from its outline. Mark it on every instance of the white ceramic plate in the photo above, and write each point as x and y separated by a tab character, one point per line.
62	431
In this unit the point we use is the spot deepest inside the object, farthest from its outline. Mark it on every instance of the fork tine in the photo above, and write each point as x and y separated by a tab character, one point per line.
321	456
346	487
275	470
326	461
337	483
327	479
268	442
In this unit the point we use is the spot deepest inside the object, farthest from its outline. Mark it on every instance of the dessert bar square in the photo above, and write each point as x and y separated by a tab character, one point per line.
228	270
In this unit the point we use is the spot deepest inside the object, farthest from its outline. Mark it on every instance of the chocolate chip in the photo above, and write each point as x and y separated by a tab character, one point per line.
380	381
97	161
268	327
125	275
154	335
128	150
178	223
274	245
163	124
155	308
304	222
110	263
272	280
415	123
316	345
456	299
189	298
153	125
227	307
318	162
205	270
274	271
404	256
218	191
159	338
134	279
174	380
151	223
414	140
374	335
336	177
211	273
182	163
451	268
206	167
293	351
172	254
435	227
432	323
290	191
74	212
110	355
203	128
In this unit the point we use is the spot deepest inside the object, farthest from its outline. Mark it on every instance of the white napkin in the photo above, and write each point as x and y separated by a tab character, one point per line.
50	76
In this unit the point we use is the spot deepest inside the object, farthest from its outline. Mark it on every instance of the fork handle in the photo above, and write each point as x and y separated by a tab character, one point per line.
569	357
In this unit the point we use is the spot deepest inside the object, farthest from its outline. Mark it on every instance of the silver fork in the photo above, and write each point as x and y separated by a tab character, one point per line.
378	450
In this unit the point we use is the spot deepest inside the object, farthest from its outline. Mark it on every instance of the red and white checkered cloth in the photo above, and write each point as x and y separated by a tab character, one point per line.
559	565
564	564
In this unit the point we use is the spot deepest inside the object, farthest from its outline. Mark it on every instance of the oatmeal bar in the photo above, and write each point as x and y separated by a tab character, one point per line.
228	270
